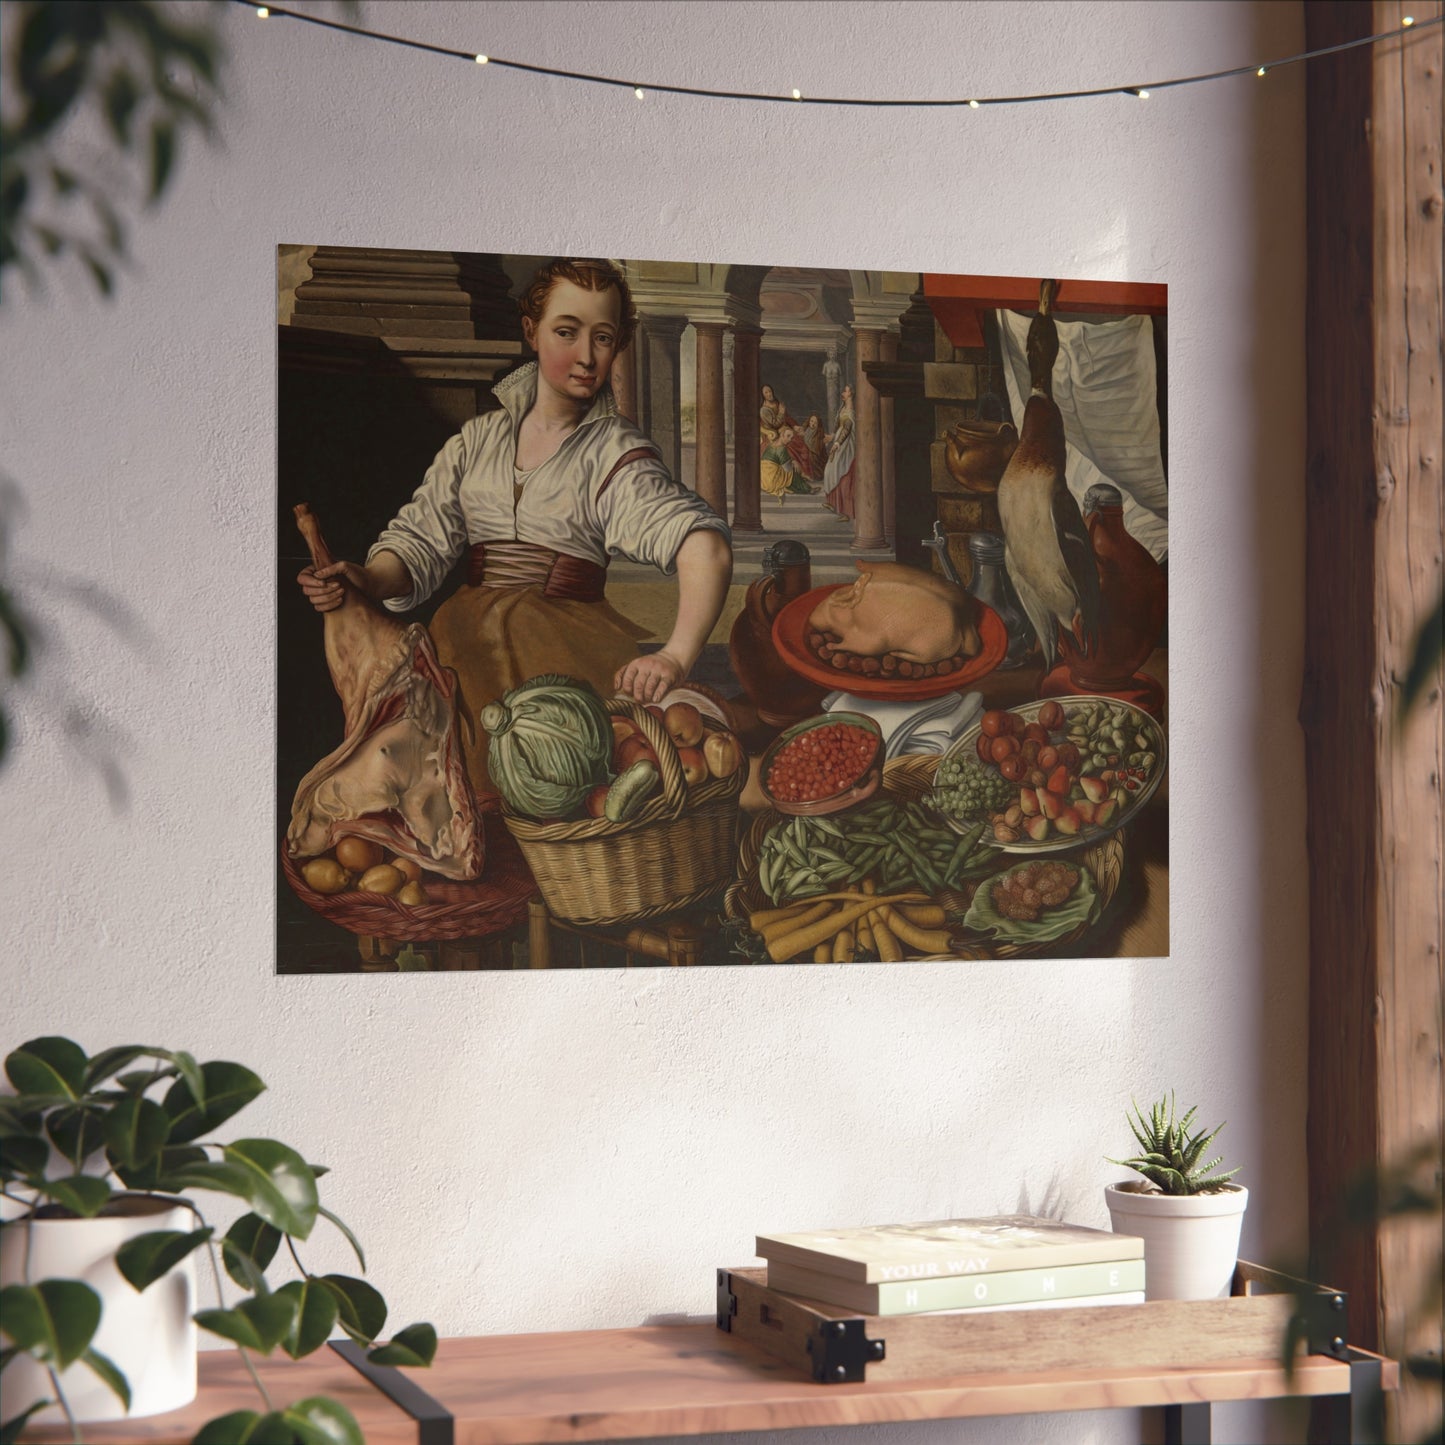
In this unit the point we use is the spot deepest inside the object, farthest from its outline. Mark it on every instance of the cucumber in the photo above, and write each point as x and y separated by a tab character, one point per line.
630	791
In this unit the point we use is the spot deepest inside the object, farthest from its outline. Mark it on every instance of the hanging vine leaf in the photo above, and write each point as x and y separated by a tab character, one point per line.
149	1257
54	1320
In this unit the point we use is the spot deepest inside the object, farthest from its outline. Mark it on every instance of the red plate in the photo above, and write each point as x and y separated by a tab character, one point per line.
790	633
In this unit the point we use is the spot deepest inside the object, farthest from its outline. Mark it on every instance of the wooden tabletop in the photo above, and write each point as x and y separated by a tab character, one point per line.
687	1379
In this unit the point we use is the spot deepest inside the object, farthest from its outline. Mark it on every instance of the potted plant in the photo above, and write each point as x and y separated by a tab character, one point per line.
1187	1213
102	1230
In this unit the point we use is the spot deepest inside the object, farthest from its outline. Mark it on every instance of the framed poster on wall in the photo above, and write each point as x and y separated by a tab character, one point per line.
638	612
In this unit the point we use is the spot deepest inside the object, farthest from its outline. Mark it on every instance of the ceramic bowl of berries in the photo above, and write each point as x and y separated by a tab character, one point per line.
823	765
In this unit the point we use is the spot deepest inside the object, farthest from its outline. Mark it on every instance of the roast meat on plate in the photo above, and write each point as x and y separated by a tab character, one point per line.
903	610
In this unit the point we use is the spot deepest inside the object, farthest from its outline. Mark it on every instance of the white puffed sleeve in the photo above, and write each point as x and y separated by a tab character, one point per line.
645	515
430	531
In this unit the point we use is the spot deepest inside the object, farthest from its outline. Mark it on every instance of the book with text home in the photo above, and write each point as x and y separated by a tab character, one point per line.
961	1292
942	1247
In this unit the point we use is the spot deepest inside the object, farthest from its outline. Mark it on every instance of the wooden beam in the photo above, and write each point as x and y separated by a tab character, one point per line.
1373	571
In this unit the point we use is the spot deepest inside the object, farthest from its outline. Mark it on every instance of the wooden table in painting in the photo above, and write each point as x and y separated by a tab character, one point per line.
693	1379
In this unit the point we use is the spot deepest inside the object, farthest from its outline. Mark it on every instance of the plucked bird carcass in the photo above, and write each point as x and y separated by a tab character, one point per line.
399	777
898	610
1047	550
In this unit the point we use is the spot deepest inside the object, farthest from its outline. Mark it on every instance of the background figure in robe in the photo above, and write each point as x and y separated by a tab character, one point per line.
816	440
842	449
778	470
773	417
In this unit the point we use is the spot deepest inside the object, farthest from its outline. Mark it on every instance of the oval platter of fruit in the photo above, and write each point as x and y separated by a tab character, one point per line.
1048	776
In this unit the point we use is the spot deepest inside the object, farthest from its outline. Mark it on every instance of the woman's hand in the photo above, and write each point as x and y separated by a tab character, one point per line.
323	586
650	678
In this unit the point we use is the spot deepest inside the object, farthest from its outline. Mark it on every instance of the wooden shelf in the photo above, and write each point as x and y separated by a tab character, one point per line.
694	1379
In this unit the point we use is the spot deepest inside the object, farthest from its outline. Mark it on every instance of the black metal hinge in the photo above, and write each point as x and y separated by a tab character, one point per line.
841	1352
727	1301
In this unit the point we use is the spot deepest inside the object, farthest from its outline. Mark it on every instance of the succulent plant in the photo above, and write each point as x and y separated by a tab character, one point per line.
1170	1152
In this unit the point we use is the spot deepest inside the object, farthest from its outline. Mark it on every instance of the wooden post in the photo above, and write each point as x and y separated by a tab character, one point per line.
1373	572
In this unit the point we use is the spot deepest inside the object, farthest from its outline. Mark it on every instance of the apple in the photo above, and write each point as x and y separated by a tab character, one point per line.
684	724
694	765
597	800
723	753
629	750
657	712
623	727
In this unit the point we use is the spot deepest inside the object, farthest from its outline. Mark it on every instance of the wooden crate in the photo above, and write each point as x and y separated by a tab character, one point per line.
836	1346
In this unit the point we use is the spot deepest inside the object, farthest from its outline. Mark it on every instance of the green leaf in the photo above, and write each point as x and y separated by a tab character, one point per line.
11	1430
112	1061
77	1131
136	1130
351	1239
226	1089
259	1323
22	1157
50	1065
55	1320
415	1345
149	1257
163	155
108	1371
316	1311
319	1421
84	1194
156	1174
282	1186
361	1309
248	1248
245	1427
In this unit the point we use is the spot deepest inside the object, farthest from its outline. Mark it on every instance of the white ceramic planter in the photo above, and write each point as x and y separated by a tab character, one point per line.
1191	1241
150	1336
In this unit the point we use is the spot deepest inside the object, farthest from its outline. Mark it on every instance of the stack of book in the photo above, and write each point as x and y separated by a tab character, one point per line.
1012	1261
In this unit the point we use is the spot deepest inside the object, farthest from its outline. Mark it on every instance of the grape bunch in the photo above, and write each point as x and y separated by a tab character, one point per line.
965	788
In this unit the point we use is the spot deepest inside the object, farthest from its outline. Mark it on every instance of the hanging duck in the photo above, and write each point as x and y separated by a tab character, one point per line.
1047	550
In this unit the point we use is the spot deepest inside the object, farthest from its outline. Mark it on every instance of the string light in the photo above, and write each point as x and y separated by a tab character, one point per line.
1142	92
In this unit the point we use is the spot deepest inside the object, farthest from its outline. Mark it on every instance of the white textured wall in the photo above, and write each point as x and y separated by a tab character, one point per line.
543	1151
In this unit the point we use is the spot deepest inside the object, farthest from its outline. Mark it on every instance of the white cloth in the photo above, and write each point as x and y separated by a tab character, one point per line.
467	495
1104	384
931	726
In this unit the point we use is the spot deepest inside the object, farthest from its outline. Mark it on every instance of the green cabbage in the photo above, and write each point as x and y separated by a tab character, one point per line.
551	743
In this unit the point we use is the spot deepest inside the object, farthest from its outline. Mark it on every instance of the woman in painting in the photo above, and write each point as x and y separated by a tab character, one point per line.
838	474
773	419
778	470
539	495
816	440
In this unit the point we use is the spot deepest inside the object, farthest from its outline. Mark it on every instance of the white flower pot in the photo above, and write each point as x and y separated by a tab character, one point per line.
149	1336
1191	1241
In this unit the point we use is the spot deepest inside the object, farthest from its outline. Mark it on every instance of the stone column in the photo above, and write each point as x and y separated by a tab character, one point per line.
624	379
833	380
664	388
729	341
747	434
889	349
711	454
867	474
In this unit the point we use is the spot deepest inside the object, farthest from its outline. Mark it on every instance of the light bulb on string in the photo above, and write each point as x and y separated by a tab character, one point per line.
1407	21
973	105
1142	94
262	12
797	94
1262	72
482	59
637	91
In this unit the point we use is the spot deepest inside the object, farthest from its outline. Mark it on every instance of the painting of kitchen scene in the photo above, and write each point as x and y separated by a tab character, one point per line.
657	614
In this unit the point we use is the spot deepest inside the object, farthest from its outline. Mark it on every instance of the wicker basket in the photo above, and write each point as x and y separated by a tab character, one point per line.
477	908
910	779
678	851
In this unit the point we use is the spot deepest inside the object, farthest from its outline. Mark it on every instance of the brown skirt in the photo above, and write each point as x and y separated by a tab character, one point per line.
497	637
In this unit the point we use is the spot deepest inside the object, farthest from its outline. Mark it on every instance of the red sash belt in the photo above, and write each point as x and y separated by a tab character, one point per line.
525	564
